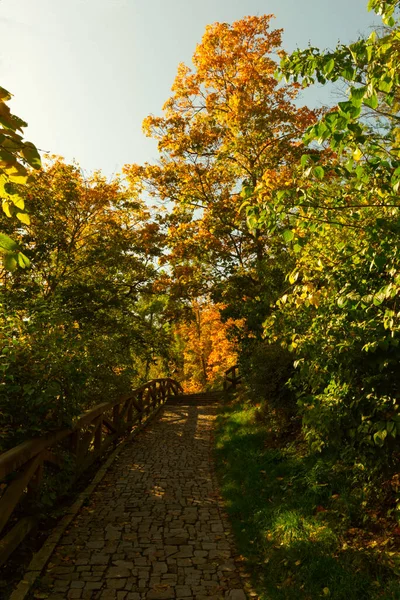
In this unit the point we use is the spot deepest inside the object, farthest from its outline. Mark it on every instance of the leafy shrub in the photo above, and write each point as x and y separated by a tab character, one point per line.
266	369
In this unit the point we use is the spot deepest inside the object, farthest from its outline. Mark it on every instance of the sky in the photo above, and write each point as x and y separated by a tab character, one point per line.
85	73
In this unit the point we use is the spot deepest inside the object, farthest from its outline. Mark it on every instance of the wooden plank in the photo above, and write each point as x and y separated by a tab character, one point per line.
84	444
90	415
13	459
125	408
90	458
98	434
36	481
129	415
116	417
12	540
15	490
111	426
52	458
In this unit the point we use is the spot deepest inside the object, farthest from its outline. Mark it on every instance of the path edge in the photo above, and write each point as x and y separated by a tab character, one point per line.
42	556
247	590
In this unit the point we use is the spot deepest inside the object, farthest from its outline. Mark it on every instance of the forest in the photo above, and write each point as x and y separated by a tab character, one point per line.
266	234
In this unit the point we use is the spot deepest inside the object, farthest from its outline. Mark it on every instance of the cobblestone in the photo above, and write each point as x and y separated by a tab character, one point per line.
154	528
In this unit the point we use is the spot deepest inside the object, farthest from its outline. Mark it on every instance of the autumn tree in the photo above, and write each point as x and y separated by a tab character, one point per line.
206	346
228	126
82	324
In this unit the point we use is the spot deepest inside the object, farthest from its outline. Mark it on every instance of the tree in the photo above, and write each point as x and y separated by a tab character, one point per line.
82	324
16	156
228	126
339	313
207	346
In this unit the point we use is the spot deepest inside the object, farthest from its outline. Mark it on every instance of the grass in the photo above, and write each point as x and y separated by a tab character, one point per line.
302	523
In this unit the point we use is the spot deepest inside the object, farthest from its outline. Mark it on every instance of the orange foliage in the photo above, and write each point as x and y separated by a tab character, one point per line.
229	127
207	350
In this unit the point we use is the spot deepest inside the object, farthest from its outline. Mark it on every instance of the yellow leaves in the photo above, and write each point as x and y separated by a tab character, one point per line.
314	299
6	204
207	350
326	591
4	95
357	154
23	217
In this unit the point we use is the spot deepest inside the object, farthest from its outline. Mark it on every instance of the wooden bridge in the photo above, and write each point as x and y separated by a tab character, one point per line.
26	469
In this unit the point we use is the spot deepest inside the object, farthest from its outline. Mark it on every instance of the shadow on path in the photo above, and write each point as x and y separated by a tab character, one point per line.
154	528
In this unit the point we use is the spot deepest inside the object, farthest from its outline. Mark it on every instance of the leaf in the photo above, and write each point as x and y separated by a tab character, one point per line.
371	101
319	172
357	95
23	260
379	437
23	217
20	178
7	157
348	73
31	155
4	95
18	201
288	235
6	204
304	160
385	84
10	262
328	66
7	244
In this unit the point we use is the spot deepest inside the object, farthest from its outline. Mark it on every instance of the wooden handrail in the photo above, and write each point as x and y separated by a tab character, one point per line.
232	378
22	468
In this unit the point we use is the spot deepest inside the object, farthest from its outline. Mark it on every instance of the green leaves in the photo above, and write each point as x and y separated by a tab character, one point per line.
319	172
385	8
15	156
11	255
371	101
7	244
328	66
288	235
23	260
31	155
10	261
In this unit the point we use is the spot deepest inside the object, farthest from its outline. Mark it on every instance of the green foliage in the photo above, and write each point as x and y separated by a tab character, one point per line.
83	325
307	525
266	370
16	157
339	219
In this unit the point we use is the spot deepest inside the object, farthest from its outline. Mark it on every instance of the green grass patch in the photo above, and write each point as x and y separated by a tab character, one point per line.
301	521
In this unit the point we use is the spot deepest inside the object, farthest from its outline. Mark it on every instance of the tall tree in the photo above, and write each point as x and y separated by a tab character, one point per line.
228	127
82	324
339	314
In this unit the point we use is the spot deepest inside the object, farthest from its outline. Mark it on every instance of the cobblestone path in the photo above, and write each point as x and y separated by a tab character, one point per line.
154	527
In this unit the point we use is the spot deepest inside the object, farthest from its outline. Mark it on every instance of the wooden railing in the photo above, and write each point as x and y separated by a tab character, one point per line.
232	378
25	468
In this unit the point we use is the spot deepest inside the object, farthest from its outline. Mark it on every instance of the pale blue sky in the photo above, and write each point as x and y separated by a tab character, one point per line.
85	73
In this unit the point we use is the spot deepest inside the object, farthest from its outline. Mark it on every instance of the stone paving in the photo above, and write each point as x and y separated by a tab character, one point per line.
154	528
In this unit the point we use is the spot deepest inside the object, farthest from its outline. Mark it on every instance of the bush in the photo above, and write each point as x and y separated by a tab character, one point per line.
266	369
